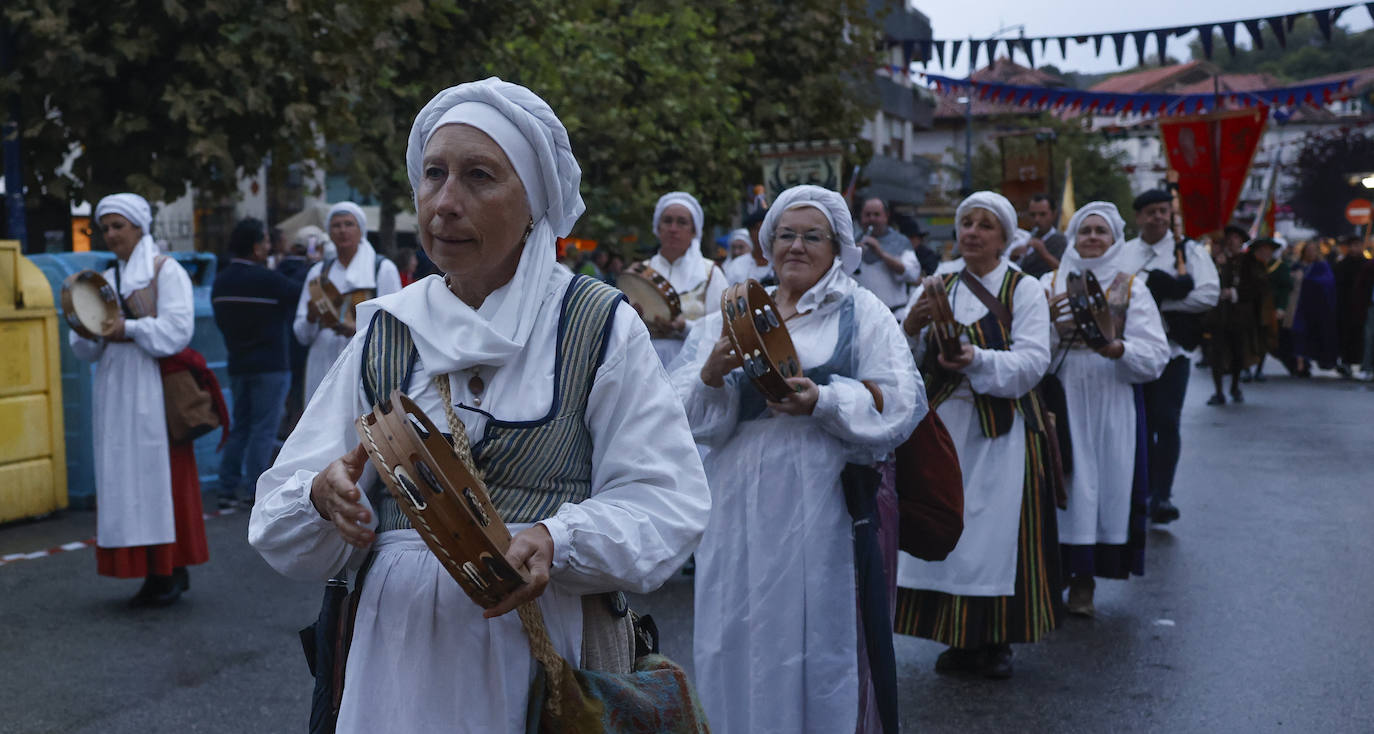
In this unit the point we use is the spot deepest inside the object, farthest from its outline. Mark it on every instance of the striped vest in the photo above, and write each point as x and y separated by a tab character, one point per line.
995	415
531	467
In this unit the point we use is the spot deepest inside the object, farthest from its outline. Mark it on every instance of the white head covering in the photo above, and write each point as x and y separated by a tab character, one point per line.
738	234
137	272
995	203
690	270
449	334
825	201
361	272
1106	266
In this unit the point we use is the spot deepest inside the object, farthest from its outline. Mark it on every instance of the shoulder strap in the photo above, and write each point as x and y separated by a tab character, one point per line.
995	307
324	269
389	357
378	258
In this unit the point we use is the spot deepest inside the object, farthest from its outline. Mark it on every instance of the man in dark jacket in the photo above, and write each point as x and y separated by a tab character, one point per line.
253	307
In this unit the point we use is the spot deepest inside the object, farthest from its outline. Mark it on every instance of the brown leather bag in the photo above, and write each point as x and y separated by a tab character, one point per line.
930	491
190	408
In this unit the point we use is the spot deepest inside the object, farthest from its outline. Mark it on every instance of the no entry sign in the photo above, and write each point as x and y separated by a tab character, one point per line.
1358	211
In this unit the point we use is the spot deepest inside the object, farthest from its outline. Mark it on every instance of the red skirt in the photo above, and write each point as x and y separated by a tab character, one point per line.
190	547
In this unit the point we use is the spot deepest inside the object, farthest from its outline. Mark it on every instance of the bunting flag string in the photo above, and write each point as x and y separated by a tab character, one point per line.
920	49
1061	98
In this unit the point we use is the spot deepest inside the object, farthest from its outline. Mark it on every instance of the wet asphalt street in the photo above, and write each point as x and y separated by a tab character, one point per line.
1256	613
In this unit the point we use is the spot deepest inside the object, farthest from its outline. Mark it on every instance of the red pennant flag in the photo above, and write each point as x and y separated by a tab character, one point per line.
1212	155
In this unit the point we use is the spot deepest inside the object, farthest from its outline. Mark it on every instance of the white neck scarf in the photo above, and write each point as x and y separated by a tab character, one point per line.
1108	264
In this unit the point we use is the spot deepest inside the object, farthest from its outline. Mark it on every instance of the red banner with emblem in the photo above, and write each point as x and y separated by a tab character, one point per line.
1211	155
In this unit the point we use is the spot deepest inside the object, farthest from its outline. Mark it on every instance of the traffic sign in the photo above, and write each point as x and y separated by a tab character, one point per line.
1358	211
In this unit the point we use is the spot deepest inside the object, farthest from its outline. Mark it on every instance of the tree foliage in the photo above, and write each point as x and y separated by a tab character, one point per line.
154	96
1307	54
1321	186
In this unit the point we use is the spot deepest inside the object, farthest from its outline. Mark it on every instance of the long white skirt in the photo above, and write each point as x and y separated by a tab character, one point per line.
423	658
1102	422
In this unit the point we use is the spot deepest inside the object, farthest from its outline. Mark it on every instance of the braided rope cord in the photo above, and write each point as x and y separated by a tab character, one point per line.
531	618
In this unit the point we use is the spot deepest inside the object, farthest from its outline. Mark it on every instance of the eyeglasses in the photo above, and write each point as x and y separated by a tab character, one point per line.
810	239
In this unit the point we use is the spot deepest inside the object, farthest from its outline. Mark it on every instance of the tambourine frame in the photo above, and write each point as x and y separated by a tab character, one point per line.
106	292
942	323
448	506
1088	305
333	306
760	338
659	283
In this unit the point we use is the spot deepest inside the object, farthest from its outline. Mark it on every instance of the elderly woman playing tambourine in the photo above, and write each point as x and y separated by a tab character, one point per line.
542	365
1000	583
678	223
775	640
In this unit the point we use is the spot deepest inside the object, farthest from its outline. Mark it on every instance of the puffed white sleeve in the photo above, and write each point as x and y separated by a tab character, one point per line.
1146	347
171	329
85	349
388	278
716	287
285	528
649	502
912	274
304	330
1012	373
1206	282
846	409
712	412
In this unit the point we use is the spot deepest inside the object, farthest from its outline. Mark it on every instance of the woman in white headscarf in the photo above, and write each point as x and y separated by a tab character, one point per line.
775	640
356	266
1102	531
1000	584
678	224
149	522
556	385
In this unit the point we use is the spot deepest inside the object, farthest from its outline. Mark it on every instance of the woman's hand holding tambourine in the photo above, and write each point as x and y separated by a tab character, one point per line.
1114	349
1059	307
531	548
337	497
919	317
113	329
957	365
800	402
720	362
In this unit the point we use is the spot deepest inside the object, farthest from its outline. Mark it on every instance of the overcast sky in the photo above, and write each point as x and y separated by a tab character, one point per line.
962	19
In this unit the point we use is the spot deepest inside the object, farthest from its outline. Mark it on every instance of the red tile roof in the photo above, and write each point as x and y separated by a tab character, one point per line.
1146	80
1003	71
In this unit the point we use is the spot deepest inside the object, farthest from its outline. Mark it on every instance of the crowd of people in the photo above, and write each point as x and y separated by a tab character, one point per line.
615	447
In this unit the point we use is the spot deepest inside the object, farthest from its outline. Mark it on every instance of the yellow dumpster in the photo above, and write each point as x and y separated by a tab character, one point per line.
33	460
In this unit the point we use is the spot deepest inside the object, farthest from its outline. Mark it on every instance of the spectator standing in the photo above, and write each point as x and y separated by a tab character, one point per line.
1041	252
925	254
1315	335
1346	267
889	264
253	310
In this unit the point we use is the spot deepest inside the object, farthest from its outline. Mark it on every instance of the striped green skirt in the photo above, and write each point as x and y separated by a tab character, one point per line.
1034	610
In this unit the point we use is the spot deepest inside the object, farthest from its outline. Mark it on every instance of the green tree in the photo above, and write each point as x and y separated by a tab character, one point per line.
1307	54
1321	186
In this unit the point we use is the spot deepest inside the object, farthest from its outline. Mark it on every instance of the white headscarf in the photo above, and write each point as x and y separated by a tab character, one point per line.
995	203
741	235
449	334
690	270
138	271
825	201
361	272
1104	267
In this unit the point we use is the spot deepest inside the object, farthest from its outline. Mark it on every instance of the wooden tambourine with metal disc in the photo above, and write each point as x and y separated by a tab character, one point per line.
88	303
650	293
335	307
1091	314
760	338
942	323
445	503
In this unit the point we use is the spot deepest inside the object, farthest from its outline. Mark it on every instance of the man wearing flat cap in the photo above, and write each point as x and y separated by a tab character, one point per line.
1184	282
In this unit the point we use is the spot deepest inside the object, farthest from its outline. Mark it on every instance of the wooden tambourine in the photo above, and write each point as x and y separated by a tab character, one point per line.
760	338
942	323
650	293
335	307
1091	314
88	303
445	503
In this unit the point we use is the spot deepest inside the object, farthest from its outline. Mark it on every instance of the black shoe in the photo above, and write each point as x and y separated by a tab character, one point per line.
145	593
997	662
228	503
1217	399
182	578
1236	396
959	660
1164	513
166	591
